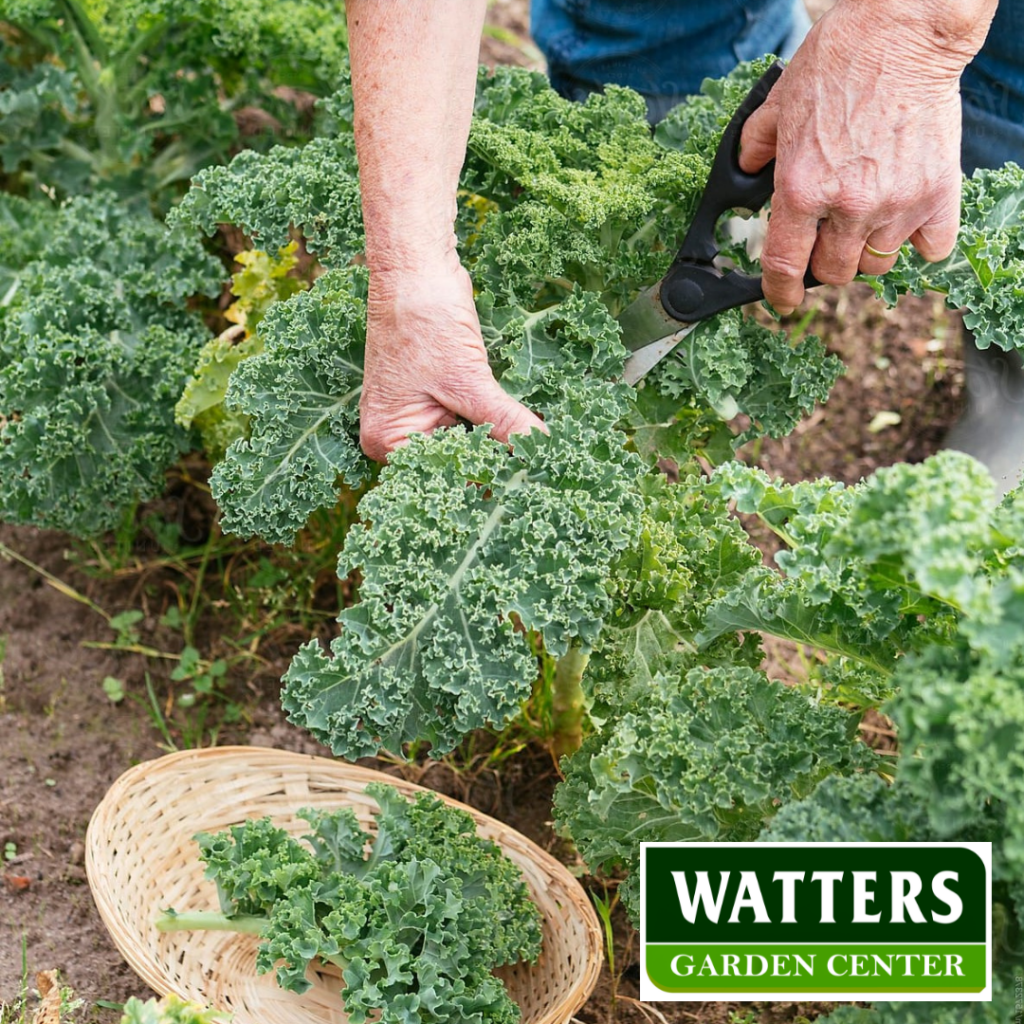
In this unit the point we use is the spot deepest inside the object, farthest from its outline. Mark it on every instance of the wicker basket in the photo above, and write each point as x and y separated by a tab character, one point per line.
140	859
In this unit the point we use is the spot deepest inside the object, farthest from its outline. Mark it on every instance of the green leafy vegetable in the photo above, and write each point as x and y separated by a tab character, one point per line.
137	96
488	541
262	281
706	754
95	346
300	397
417	924
985	273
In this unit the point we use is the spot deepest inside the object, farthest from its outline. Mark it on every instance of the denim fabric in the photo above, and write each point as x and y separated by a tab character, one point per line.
993	94
662	48
665	48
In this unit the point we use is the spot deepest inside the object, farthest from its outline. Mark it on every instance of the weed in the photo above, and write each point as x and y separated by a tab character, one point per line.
742	1017
604	907
3	655
114	689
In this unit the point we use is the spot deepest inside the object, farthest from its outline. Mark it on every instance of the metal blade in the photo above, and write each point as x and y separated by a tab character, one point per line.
644	320
643	360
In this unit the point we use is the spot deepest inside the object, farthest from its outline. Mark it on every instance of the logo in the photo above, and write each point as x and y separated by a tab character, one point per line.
836	921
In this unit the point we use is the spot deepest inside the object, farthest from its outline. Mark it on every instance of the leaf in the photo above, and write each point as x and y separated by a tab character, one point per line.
985	272
416	923
95	346
701	755
301	395
460	544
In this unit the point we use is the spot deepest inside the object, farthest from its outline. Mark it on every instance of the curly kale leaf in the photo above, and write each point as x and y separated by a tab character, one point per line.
851	809
985	273
95	346
696	124
417	913
137	96
293	42
735	365
661	587
262	281
705	755
313	189
36	104
536	352
301	397
579	191
960	719
872	571
461	544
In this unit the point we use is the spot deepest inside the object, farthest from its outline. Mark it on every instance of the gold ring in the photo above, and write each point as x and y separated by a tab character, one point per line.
868	247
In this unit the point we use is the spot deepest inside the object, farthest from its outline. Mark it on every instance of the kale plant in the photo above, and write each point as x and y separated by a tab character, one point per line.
471	554
416	914
95	346
140	94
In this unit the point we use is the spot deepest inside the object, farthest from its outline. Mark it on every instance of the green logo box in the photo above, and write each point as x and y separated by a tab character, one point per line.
835	921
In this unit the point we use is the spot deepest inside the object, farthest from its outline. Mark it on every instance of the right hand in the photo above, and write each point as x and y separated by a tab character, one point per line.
865	126
426	364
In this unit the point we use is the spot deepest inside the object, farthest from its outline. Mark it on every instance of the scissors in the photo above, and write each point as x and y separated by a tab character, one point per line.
694	288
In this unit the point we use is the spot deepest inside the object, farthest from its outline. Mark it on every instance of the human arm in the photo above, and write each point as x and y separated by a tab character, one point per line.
865	128
413	78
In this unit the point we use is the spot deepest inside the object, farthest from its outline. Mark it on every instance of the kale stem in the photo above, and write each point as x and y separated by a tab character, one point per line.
567	702
209	921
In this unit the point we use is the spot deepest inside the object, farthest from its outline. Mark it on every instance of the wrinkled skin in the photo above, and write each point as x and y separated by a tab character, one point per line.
865	126
414	79
426	363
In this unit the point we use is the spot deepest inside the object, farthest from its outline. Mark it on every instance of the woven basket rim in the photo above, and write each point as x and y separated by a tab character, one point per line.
138	952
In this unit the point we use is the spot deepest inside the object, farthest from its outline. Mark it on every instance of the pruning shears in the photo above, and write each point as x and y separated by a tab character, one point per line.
694	287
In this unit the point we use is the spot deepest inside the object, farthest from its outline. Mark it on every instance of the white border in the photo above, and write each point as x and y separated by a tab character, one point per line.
649	992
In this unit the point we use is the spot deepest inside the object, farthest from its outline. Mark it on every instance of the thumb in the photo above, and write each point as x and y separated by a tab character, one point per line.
759	137
486	402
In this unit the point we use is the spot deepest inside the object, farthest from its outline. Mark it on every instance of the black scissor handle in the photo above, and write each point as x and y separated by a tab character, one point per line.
694	288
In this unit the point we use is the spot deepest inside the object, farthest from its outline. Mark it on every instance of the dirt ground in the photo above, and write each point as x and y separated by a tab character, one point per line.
63	741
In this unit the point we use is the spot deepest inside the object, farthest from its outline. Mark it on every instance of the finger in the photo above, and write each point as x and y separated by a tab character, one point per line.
936	239
759	137
838	251
787	254
482	400
882	240
380	433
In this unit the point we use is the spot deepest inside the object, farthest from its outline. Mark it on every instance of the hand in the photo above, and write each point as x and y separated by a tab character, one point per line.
865	127
426	364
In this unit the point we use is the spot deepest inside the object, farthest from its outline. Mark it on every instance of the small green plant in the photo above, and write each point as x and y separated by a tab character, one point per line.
742	1017
170	1010
10	850
113	688
604	906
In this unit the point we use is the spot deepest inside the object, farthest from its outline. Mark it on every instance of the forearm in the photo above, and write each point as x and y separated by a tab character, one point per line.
413	78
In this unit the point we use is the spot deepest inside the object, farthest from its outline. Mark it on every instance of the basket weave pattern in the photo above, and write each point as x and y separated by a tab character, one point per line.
141	859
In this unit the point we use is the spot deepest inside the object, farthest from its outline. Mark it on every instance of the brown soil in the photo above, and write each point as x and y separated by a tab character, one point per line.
63	742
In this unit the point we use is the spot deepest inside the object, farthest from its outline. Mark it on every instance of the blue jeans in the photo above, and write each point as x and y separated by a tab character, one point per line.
665	48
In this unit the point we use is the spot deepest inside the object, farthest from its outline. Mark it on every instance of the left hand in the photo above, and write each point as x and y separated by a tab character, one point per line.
865	127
